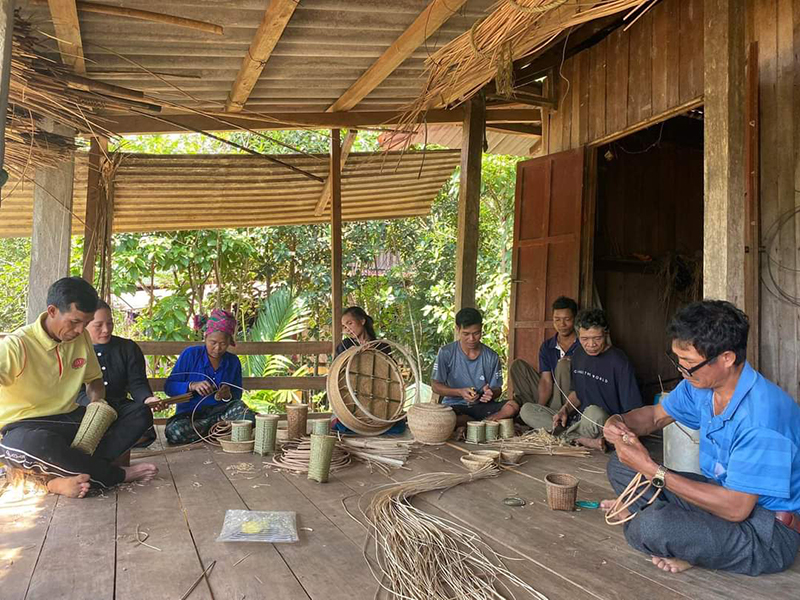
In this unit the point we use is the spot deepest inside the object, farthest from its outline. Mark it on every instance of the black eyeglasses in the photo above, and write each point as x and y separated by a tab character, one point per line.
689	372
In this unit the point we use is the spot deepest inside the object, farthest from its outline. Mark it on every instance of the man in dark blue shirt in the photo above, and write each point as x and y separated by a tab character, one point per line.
536	387
603	384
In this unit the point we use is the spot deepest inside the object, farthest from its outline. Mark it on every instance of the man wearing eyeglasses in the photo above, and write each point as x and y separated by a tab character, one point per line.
741	515
603	384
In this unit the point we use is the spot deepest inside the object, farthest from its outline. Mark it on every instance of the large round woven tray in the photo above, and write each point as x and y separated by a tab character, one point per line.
366	389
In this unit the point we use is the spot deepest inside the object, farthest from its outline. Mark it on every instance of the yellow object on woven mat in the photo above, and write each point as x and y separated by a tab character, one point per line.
98	418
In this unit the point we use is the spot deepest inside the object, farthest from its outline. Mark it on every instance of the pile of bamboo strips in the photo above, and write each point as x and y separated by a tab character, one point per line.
515	29
419	555
296	454
539	441
379	455
39	91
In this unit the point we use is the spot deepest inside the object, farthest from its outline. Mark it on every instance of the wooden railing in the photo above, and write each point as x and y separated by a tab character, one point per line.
251	349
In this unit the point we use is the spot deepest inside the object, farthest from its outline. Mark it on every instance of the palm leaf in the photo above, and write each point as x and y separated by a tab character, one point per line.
280	318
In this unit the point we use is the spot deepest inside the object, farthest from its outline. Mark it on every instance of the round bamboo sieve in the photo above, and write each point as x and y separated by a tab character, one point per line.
241	431
492	430
320	426
319	462
476	432
506	428
266	434
96	420
297	416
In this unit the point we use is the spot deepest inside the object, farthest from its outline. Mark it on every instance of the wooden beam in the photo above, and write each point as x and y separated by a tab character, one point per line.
143	124
336	239
241	348
325	196
68	33
275	20
425	25
6	36
724	139
752	265
92	233
262	383
517	129
469	202
52	226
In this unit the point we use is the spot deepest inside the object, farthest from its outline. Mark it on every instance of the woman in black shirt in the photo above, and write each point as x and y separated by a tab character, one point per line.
124	375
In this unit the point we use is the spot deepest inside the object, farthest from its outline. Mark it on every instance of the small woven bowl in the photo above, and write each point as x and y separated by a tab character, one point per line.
236	447
475	462
562	491
494	455
512	456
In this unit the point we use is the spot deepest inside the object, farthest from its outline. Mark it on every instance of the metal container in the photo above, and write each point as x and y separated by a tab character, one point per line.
682	448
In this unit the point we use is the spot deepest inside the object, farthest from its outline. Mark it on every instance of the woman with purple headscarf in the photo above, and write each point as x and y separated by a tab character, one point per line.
214	376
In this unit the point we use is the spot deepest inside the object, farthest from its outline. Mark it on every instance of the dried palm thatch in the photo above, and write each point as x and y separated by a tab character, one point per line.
515	29
539	441
419	555
39	92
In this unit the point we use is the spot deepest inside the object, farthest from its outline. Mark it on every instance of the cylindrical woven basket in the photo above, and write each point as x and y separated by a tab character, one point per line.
297	417
319	462
241	431
98	418
506	428
320	426
476	432
492	430
431	423
266	434
562	491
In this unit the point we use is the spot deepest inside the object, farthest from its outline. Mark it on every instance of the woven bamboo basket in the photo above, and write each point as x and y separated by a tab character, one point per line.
512	457
431	423
236	447
367	389
506	428
266	434
241	431
96	420
297	417
474	462
562	491
320	426
319	463
492	430
494	455
476	432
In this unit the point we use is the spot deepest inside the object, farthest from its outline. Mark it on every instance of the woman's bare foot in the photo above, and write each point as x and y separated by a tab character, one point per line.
71	487
671	565
141	472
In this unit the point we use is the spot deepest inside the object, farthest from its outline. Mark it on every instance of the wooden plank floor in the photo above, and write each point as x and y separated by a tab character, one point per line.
75	549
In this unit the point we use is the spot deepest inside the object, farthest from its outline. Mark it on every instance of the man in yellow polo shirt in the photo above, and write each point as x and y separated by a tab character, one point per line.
42	368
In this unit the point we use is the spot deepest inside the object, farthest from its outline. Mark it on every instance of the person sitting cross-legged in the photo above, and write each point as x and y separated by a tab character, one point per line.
603	384
214	376
743	513
467	373
42	368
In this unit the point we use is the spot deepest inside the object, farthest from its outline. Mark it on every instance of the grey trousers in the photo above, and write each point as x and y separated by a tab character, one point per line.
541	417
674	528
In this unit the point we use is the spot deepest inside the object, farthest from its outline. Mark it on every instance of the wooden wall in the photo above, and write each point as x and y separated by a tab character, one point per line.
630	77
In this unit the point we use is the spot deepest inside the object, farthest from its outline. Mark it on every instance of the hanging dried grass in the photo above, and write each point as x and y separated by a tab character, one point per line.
38	90
418	555
515	29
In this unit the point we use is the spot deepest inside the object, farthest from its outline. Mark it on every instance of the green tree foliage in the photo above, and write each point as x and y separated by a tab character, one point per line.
15	258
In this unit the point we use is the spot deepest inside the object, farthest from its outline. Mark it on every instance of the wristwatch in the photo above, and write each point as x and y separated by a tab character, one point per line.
658	480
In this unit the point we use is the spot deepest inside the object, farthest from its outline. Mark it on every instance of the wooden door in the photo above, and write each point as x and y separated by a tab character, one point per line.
546	255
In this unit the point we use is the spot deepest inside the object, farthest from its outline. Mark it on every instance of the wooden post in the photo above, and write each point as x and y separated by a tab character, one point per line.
93	235
52	227
724	239
469	202
336	238
6	35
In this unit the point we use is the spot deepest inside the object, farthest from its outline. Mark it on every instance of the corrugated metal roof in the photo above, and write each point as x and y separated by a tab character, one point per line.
450	136
326	47
176	192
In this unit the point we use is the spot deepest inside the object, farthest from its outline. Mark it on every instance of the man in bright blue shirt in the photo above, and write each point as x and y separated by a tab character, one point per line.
742	514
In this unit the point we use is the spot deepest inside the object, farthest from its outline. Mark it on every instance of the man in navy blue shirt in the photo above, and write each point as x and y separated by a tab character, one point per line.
536	387
603	384
741	515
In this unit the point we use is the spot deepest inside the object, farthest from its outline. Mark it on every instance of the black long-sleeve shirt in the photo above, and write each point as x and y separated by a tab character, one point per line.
122	364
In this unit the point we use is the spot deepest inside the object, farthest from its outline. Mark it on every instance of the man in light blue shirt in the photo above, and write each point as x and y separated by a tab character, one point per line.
741	515
467	373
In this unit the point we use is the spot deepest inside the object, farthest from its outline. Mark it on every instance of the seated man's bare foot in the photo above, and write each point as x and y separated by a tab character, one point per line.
607	505
71	487
594	443
141	472
458	433
671	565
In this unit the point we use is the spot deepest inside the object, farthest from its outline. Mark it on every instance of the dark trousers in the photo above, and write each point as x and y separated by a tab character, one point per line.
179	428
41	446
671	527
478	410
